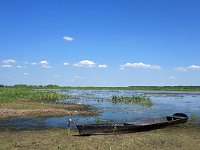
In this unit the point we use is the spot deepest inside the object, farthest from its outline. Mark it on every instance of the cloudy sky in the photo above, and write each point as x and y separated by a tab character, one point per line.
100	42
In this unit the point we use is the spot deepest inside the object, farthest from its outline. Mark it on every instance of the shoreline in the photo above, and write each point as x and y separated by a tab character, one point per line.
9	113
21	109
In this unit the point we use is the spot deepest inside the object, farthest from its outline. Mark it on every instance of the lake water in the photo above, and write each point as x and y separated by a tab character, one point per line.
165	103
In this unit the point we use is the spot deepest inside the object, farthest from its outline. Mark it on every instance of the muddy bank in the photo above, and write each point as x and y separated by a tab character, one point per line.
7	113
8	110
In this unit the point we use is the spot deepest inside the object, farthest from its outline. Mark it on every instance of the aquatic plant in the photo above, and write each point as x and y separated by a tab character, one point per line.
81	107
135	99
99	120
194	117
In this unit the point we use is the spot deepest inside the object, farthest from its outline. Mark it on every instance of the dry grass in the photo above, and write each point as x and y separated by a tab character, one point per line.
176	137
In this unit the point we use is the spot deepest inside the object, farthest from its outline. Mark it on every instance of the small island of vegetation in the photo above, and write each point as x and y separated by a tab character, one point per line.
135	99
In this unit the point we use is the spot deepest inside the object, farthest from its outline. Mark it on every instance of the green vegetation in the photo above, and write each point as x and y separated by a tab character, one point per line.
22	94
174	137
167	88
26	101
160	88
194	117
99	120
135	99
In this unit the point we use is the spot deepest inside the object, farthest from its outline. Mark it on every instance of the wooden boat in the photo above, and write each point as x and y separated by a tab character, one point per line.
130	127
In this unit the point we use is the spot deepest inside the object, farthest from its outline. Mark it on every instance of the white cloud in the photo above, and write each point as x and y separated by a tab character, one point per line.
68	38
140	65
6	66
45	64
19	66
26	73
8	63
181	69
33	63
189	68
66	64
85	63
103	66
194	67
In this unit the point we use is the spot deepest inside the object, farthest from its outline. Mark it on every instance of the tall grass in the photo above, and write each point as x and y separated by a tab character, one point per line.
19	94
135	99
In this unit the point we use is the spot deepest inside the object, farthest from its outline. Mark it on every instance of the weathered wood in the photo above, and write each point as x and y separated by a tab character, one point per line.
130	127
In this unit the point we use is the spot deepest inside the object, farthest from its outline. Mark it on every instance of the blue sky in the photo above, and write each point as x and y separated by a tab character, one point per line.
100	42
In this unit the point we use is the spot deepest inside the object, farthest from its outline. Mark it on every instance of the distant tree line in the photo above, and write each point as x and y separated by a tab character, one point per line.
1	85
31	86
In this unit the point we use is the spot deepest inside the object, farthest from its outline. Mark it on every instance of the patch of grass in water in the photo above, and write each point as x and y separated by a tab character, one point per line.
100	120
135	99
81	107
195	119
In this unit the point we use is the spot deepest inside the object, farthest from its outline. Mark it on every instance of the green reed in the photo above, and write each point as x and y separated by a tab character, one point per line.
18	94
135	99
194	117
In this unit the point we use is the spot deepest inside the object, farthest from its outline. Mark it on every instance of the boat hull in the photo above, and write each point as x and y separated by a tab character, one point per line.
130	127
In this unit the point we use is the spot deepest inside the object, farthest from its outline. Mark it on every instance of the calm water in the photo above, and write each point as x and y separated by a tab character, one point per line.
165	103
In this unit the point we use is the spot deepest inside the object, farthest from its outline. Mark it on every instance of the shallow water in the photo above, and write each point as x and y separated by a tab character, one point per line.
165	103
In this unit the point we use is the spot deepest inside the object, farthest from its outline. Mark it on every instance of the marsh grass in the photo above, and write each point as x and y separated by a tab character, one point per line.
194	118
30	102
157	88
23	94
135	99
99	120
80	108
